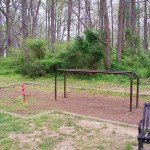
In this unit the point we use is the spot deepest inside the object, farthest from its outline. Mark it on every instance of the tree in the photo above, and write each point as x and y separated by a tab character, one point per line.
1	34
120	37
133	25
34	9
107	37
53	29
88	13
79	14
145	42
25	27
112	22
69	19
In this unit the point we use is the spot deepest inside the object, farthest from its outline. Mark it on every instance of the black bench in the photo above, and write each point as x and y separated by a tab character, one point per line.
144	127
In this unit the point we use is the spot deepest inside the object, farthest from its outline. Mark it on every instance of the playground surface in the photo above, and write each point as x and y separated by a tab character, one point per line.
42	123
82	102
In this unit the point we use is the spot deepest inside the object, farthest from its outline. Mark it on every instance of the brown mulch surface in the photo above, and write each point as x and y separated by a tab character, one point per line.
104	106
115	108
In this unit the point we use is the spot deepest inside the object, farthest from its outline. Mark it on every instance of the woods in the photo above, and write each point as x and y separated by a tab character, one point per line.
121	27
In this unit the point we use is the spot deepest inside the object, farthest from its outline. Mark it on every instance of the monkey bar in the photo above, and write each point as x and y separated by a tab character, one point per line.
127	73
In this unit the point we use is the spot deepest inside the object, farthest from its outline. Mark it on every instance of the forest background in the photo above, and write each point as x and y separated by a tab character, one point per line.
38	37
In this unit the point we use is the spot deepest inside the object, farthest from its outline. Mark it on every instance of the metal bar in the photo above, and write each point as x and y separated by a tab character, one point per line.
56	86
106	72
137	89
130	90
65	85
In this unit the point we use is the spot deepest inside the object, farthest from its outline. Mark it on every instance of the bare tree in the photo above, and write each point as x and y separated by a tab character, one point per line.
1	27
69	19
133	21
120	37
53	29
8	21
112	23
79	14
101	13
107	38
88	13
145	42
24	18
24	28
35	5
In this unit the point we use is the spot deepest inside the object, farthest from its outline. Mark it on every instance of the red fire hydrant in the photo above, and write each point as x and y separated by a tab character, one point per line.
23	92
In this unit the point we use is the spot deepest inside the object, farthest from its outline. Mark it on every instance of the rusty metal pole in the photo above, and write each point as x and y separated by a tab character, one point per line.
130	90
56	86
65	84
105	72
137	97
137	89
131	94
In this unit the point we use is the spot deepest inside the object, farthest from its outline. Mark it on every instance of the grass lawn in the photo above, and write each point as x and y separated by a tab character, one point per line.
57	130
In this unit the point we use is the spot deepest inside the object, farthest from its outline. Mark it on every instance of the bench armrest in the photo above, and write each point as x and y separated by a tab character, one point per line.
140	128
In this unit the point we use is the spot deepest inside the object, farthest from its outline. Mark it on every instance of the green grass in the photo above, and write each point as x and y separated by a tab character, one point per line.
58	128
128	146
11	124
49	143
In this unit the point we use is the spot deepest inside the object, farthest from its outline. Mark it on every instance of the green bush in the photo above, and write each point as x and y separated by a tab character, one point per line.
50	65
7	66
32	69
87	52
37	47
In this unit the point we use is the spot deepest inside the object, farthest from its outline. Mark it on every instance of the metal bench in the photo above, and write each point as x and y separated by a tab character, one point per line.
144	127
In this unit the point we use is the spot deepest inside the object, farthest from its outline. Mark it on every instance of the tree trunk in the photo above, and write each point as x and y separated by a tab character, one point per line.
127	13
46	23
133	23
35	18
88	12
112	23
145	27
107	38
8	42
69	19
79	13
1	35
120	37
25	27
53	37
102	13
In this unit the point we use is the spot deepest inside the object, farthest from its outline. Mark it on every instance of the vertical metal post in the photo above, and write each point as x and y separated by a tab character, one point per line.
56	86
137	88
137	96
65	84
130	91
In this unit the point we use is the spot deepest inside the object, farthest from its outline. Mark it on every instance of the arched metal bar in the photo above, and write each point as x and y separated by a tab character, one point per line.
137	88
129	74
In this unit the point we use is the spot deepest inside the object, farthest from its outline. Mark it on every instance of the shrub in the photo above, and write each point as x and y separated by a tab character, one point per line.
7	66
37	47
32	69
85	53
50	65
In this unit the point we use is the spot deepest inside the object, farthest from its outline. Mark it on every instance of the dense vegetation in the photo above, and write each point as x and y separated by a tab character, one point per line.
84	52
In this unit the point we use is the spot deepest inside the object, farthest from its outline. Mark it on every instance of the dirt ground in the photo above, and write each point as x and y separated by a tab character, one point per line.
115	108
104	106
